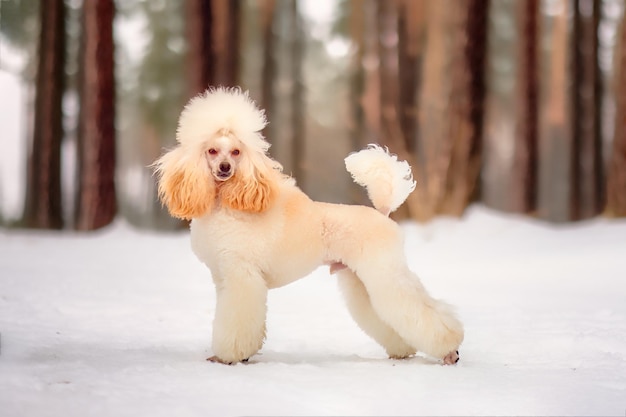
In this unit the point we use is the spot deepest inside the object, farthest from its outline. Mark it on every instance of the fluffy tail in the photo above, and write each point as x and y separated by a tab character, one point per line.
387	180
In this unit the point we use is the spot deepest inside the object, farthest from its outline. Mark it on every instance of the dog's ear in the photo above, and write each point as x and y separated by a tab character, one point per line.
253	187
185	184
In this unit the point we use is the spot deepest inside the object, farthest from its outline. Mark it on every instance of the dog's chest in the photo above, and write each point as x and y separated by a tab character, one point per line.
224	234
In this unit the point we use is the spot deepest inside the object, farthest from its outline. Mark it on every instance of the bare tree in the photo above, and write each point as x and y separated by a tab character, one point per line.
570	165
467	107
524	176
509	163
213	36
43	192
587	165
556	145
388	54
411	38
282	85
394	97
450	108
616	181
359	135
297	96
201	60
96	203
225	45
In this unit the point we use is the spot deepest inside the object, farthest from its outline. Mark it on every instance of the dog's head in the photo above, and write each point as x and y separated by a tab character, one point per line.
221	155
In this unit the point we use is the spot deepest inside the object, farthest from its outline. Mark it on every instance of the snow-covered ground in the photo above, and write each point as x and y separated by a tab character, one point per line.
118	323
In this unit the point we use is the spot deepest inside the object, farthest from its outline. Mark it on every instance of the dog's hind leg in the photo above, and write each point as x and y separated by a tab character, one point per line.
360	307
401	301
239	323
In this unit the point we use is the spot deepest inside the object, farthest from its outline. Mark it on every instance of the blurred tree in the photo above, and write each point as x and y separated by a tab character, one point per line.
569	161
298	97
450	108
363	80
474	50
43	189
96	203
162	81
226	42
20	26
199	17
509	165
523	187
616	181
153	86
555	117
418	89
213	38
389	91
587	163
367	92
268	70
411	40
281	83
398	84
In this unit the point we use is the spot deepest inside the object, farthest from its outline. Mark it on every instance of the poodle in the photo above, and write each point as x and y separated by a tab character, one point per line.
256	230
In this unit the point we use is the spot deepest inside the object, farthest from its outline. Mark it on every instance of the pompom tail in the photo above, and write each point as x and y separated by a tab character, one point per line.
387	180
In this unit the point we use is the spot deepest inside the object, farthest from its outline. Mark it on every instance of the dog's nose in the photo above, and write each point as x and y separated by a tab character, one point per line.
224	167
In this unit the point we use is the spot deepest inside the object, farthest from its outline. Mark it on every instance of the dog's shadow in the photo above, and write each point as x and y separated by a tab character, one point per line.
319	358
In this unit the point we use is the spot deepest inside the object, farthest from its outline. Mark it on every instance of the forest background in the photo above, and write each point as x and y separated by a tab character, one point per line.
517	105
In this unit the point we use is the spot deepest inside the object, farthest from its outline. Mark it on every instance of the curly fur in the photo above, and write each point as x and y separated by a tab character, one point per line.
256	230
252	188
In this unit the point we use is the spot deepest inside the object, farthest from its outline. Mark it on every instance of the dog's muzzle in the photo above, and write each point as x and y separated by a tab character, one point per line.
225	171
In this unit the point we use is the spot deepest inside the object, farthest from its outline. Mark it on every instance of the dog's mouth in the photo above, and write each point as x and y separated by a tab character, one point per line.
223	176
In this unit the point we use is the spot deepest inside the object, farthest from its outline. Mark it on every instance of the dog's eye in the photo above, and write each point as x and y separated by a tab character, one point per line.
235	152
212	151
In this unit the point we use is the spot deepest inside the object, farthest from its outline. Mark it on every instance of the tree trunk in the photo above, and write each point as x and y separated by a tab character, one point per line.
391	129
225	43
213	36
369	101
268	71
556	144
467	105
43	192
587	164
357	131
616	172
526	134
411	36
450	109
201	66
96	200
297	97
282	86
509	181
392	98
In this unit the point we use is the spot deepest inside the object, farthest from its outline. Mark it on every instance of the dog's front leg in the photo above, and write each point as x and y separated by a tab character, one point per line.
239	324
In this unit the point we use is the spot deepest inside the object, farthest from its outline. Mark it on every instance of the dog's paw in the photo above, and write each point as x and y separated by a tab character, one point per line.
451	358
215	359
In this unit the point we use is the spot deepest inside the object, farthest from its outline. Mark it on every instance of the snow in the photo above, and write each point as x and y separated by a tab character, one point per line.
118	322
